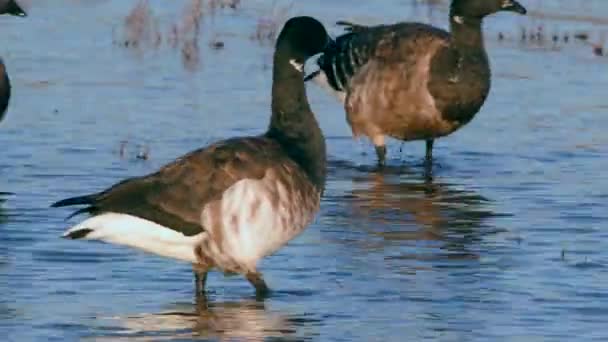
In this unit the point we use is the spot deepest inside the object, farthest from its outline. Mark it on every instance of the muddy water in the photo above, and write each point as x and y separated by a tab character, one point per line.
507	241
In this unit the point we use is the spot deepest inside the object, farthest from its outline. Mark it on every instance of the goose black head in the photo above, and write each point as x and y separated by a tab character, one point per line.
478	9
11	7
303	37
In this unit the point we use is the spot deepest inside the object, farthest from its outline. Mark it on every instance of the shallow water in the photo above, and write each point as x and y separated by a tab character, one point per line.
506	242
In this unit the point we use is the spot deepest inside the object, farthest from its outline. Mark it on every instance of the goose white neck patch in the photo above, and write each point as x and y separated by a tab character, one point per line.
298	66
458	19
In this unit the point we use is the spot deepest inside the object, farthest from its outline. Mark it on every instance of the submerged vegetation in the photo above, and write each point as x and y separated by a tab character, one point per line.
142	30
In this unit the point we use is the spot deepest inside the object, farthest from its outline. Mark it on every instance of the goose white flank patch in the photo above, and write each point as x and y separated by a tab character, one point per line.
412	81
229	204
132	231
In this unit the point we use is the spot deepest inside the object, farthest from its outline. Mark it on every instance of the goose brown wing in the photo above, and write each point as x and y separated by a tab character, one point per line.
352	50
175	195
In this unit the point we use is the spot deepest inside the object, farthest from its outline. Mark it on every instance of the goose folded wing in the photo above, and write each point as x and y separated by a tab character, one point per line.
396	42
175	195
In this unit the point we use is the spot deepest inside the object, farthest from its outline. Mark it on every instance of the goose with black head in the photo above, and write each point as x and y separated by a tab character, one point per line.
229	204
412	81
11	7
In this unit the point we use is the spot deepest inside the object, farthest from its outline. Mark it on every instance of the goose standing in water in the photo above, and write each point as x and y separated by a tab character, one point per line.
11	7
229	204
412	81
5	89
7	7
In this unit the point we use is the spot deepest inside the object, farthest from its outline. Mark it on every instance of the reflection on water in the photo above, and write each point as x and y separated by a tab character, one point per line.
243	320
6	311
434	206
401	205
3	216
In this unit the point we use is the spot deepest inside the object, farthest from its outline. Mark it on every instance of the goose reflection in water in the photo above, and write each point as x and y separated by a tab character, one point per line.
247	320
3	215
400	207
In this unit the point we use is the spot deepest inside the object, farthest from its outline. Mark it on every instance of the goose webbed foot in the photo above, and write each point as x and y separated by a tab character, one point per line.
200	278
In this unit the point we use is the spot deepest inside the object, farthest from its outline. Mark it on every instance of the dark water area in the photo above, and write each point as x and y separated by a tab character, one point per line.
507	241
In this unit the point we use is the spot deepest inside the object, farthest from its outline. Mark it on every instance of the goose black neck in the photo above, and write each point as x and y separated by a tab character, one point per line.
292	123
467	32
288	90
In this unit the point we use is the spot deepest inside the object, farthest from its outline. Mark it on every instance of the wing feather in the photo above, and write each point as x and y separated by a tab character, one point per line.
175	195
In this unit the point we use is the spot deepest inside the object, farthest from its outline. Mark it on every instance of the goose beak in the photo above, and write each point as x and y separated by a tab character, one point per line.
312	75
513	6
329	42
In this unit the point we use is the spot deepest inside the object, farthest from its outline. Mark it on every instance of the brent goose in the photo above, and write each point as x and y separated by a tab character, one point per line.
5	89
7	7
412	81
11	7
229	204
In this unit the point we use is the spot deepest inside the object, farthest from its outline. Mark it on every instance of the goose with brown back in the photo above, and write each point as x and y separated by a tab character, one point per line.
230	204
412	81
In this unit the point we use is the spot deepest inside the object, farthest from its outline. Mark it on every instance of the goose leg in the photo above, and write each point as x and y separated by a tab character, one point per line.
200	278
428	161
381	153
429	150
255	278
378	141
